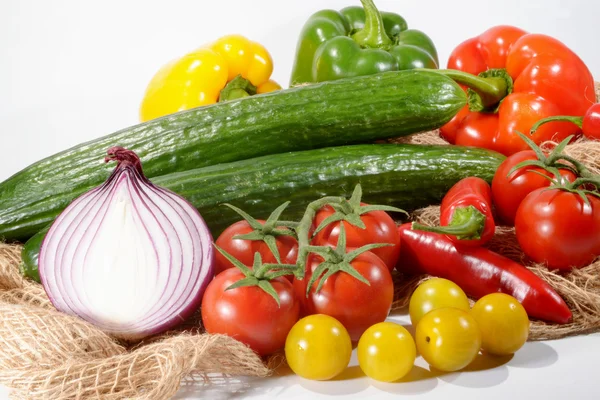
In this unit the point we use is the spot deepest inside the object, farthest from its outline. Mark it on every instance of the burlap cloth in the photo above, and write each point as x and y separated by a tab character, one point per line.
45	354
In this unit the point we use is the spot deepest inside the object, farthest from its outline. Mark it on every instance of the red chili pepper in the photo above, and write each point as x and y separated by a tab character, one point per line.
522	78
589	123
479	272
466	213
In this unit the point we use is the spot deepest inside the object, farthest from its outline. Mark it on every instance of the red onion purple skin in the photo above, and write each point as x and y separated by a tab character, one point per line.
114	153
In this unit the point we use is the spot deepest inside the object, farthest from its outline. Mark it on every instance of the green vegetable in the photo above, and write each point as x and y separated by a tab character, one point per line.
358	41
405	176
356	110
30	253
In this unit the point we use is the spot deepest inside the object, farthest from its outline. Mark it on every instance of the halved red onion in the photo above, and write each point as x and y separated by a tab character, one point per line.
128	256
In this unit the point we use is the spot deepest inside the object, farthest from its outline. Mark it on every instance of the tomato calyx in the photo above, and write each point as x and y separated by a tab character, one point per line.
260	274
467	224
347	210
575	186
237	88
338	260
269	231
552	161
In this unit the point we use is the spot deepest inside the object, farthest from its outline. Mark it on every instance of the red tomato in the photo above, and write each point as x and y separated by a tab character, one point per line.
248	313
558	228
380	228
509	191
244	250
355	304
591	122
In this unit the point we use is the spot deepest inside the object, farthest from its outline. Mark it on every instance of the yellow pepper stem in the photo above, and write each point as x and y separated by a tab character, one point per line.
237	88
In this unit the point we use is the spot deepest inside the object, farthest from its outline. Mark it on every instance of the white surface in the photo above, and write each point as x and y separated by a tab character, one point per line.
71	71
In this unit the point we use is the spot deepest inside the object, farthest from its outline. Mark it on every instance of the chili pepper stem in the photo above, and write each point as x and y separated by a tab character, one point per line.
373	34
467	224
491	88
558	118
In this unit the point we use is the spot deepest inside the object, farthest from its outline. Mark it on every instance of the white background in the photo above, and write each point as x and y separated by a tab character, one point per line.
71	71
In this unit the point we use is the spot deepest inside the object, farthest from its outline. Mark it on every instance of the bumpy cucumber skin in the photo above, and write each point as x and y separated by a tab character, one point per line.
406	176
348	111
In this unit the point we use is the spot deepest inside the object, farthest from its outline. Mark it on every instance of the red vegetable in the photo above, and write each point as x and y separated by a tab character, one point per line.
523	78
589	123
479	271
521	174
364	224
466	213
272	239
256	306
560	228
355	288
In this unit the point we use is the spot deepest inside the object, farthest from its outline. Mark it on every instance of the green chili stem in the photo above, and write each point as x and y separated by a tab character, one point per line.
491	89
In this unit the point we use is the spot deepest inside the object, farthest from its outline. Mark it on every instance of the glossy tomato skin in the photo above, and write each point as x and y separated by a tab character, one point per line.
436	293
558	228
355	304
509	191
380	228
249	314
591	122
244	250
318	347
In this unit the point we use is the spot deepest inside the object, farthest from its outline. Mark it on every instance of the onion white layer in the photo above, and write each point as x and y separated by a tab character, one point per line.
128	256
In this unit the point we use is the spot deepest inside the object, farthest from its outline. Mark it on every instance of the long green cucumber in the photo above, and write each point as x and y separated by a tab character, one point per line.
406	176
348	111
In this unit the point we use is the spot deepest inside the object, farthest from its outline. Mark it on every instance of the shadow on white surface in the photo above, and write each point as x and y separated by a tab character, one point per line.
534	355
484	372
354	381
418	381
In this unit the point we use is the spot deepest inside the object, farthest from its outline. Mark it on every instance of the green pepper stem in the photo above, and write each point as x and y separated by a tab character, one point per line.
562	118
491	89
373	34
467	224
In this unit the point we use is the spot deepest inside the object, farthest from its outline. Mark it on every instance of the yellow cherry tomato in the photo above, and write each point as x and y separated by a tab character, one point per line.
503	323
433	294
197	78
448	339
318	347
386	352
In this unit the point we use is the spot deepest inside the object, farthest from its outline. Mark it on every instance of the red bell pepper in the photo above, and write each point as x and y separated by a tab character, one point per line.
523	78
479	272
466	213
589	123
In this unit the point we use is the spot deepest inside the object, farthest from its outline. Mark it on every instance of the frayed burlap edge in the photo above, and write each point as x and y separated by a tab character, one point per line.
45	354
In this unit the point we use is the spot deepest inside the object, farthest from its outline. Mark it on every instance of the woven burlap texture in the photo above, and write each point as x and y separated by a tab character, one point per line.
45	354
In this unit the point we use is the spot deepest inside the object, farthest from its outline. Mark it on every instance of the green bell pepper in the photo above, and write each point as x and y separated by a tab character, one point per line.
358	41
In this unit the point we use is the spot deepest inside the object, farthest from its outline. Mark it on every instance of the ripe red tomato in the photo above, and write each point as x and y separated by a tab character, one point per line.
355	304
509	191
591	122
558	228
380	228
248	313
244	250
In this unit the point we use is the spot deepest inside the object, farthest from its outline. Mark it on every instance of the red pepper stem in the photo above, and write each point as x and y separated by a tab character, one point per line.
491	89
467	224
560	118
373	34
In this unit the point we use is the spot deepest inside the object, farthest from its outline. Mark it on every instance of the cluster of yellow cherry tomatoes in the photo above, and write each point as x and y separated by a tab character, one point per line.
449	334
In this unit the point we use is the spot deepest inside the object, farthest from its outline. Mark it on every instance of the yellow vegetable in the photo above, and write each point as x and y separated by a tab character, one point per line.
233	63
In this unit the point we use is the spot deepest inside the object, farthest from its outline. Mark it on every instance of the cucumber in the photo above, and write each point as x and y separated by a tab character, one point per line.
347	111
402	175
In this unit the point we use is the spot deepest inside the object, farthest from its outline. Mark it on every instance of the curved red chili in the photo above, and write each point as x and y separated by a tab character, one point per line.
479	271
466	213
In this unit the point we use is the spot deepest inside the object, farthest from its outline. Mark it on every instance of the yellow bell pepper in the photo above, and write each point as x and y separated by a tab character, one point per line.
229	68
